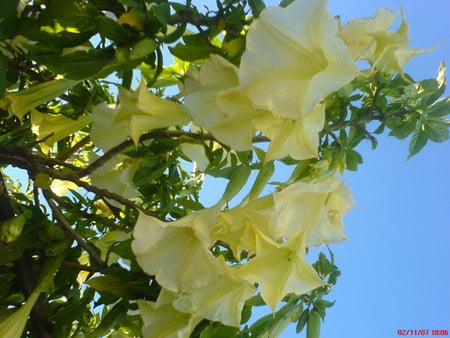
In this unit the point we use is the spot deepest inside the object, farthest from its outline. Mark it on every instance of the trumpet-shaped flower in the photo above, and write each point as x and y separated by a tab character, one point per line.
298	138
216	104
13	324
369	39
177	252
221	300
21	102
138	112
314	209
294	58
55	127
116	176
164	321
106	131
237	226
280	269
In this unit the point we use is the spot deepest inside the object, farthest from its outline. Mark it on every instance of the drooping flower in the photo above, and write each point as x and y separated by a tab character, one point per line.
116	176
53	128
177	252
313	208
106	131
21	102
13	323
137	112
369	39
298	138
162	320
280	269
216	104
294	58
221	300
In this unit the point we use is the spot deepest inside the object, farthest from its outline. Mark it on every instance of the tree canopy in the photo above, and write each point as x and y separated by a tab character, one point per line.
119	111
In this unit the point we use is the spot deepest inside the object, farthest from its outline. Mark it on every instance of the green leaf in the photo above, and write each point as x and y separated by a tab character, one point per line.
418	141
162	13
246	314
191	53
272	325
8	17
238	178
257	6
7	8
355	136
215	330
285	3
265	173
352	159
31	29
113	318
403	128
110	29
79	64
144	47
69	13
439	108
436	129
111	284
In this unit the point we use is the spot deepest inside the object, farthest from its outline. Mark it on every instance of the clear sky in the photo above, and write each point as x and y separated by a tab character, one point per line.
395	270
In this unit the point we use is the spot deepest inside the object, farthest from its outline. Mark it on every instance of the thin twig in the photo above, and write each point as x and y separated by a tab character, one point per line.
74	148
68	228
148	136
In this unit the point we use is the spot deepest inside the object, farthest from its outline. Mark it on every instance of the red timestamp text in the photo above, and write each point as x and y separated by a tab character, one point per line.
403	332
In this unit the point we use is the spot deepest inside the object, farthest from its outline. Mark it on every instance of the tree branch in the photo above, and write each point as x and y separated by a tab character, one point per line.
68	228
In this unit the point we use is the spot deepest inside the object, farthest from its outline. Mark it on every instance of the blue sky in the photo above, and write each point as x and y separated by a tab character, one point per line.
393	266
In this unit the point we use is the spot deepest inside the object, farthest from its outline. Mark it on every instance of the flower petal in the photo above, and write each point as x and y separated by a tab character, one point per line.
286	49
173	252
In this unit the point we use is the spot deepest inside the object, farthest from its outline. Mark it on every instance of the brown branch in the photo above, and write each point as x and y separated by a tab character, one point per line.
20	157
148	136
87	215
62	221
74	148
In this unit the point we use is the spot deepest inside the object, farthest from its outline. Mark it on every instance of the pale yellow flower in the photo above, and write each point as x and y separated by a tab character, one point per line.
216	104
280	269
177	252
58	126
138	112
13	323
237	226
294	58
221	300
298	138
116	176
369	39
313	208
21	102
162	320
106	131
